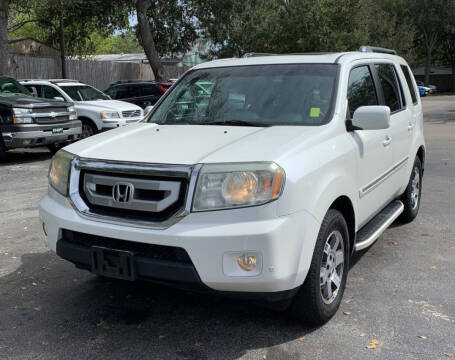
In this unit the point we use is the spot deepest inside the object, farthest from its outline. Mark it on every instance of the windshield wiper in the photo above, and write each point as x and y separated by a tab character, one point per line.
236	123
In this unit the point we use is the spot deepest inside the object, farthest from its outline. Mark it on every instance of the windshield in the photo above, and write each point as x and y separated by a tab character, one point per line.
10	87
258	95
84	93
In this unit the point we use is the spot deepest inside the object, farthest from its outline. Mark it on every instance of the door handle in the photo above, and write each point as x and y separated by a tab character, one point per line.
387	141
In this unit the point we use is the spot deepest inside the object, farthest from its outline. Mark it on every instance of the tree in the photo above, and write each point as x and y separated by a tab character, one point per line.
69	24
4	4
447	43
429	17
165	28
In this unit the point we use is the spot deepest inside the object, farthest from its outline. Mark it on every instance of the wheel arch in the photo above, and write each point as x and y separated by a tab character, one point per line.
344	205
89	120
421	155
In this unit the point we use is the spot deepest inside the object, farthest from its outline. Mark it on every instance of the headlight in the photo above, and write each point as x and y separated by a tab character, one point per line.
59	171
72	112
20	116
109	115
228	186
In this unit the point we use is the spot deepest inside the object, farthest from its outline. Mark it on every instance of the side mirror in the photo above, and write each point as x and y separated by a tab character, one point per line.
59	98
370	118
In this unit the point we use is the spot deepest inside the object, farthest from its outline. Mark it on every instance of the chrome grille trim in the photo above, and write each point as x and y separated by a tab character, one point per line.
171	171
131	113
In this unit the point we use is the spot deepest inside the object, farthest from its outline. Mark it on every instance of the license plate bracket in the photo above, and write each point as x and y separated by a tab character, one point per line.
118	264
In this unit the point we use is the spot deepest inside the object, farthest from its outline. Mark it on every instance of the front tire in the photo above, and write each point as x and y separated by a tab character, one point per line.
2	148
411	196
88	129
320	296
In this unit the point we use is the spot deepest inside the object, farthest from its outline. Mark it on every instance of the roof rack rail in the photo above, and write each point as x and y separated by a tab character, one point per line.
376	49
255	54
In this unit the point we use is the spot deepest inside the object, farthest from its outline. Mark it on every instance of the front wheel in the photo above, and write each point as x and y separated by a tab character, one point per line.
411	196
88	129
320	296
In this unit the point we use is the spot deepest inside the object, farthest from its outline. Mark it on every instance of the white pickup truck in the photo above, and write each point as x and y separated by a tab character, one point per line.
261	187
96	110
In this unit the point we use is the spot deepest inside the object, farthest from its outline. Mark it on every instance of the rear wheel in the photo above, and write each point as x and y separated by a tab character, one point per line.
411	196
88	129
2	148
320	295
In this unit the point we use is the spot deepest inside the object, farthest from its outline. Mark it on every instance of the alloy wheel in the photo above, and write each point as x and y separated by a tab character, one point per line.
332	267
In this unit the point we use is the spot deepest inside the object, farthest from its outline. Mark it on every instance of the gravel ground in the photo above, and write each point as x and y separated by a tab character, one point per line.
401	291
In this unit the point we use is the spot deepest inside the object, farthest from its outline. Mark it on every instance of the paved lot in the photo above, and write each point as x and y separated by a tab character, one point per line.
401	288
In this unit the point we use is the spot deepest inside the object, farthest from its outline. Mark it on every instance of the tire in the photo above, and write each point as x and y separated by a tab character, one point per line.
411	196
313	302
53	148
2	148
88	129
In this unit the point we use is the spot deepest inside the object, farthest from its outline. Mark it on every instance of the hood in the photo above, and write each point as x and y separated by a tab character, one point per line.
27	102
191	144
114	105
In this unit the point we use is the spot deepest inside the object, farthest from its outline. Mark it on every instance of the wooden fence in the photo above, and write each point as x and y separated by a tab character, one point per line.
96	73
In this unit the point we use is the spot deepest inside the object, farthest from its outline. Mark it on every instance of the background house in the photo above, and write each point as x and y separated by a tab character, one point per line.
439	76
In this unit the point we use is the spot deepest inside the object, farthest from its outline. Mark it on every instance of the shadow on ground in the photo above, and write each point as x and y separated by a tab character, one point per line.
24	156
70	313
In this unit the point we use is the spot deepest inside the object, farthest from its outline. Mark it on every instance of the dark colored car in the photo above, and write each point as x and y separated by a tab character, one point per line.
26	121
141	93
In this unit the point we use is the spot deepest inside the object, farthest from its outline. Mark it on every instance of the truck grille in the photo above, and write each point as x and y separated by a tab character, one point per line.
131	113
51	115
133	197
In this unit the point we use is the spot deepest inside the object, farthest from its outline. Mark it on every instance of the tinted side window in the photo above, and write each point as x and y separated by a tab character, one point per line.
389	84
408	77
118	92
34	89
151	90
361	91
48	92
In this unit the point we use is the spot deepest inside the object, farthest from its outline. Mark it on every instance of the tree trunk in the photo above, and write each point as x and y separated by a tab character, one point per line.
4	56
147	39
428	67
62	43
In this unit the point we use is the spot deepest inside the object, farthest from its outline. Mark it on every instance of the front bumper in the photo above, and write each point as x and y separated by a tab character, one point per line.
212	240
29	135
108	125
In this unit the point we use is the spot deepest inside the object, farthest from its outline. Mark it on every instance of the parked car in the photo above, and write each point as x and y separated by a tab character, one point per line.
264	192
26	121
423	91
430	89
141	93
97	111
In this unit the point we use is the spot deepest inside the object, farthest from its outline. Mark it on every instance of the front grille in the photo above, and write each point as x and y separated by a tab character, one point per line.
157	252
52	120
49	110
133	197
131	113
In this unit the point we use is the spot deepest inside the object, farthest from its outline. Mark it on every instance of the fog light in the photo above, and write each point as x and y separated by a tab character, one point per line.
247	262
45	228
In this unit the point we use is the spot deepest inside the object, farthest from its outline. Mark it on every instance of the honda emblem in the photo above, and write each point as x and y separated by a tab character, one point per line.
123	192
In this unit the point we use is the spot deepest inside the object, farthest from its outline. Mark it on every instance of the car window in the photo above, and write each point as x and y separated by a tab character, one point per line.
11	87
408	76
83	93
48	92
390	87
118	92
361	90
264	95
150	90
34	89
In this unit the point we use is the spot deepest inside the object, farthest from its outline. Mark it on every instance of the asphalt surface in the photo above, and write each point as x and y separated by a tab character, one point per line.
400	292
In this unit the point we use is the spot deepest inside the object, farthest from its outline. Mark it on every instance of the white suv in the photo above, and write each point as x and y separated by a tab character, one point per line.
261	187
97	111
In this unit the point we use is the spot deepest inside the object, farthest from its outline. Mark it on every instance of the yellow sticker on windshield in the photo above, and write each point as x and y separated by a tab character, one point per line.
314	112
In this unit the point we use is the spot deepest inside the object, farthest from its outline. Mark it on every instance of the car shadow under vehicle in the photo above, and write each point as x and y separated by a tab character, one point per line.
24	156
47	306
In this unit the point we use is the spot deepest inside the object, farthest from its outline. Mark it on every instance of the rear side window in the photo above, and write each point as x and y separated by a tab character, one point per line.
151	90
408	77
48	92
361	91
390	87
118	92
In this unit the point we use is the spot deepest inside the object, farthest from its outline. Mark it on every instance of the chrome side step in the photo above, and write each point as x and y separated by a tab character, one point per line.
376	226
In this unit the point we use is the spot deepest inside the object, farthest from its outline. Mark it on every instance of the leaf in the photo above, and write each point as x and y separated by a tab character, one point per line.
37	308
373	344
346	313
197	343
448	354
163	336
264	357
106	327
433	267
362	334
422	337
34	283
302	338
